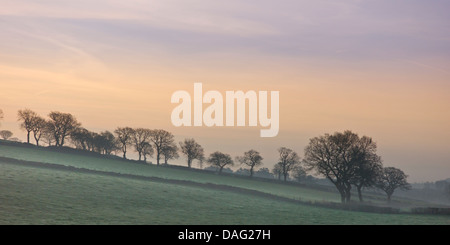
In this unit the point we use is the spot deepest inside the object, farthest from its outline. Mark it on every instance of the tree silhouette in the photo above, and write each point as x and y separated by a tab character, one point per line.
6	134
105	142
38	126
192	150
141	138
170	152
62	125
147	150
27	117
160	139
82	138
252	159
299	173
125	138
287	161
390	179
340	157
277	171
220	160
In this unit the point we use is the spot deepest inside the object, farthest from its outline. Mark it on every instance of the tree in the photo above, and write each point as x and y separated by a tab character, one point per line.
38	126
299	173
140	139
337	157
125	138
62	125
390	179
264	173
170	152
277	171
27	117
287	161
160	139
192	150
220	160
105	143
47	135
6	134
252	159
81	138
367	167
147	150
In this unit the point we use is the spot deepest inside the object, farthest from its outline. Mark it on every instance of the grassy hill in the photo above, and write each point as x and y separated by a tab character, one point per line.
49	195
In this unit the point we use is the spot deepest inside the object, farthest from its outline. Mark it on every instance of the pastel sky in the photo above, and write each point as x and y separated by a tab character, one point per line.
379	68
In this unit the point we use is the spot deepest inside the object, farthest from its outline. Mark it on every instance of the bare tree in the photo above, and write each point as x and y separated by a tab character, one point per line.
192	150
147	150
277	171
390	179
299	173
220	160
105	142
368	166
337	157
160	139
252	159
287	161
125	138
47	135
141	138
170	152
81	138
6	134
27	117
62	125
38	126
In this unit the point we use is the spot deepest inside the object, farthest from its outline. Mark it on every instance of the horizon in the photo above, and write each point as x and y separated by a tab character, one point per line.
380	69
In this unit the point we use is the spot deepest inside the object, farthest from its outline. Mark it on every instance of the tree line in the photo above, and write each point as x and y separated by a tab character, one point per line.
345	159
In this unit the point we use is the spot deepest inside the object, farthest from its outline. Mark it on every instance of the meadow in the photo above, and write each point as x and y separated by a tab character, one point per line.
37	195
32	195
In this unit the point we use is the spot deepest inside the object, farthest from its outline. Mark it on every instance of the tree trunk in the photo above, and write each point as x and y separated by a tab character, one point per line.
359	188
189	162
37	140
342	192
251	171
348	193
348	196
28	137
389	197
342	196
124	152
157	158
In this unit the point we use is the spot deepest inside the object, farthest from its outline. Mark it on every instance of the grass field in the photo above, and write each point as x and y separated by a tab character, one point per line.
30	195
125	167
36	195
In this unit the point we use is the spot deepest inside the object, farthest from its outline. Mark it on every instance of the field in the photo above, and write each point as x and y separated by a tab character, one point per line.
43	195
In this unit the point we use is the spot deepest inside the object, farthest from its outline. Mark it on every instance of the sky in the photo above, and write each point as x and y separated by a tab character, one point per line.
379	68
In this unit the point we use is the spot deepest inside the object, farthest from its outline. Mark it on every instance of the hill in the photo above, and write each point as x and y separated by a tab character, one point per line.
42	186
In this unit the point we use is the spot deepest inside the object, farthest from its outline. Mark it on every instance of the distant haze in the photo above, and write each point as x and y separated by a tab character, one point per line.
378	68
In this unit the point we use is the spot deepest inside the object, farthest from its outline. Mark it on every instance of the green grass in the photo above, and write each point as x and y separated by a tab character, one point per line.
114	165
30	195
